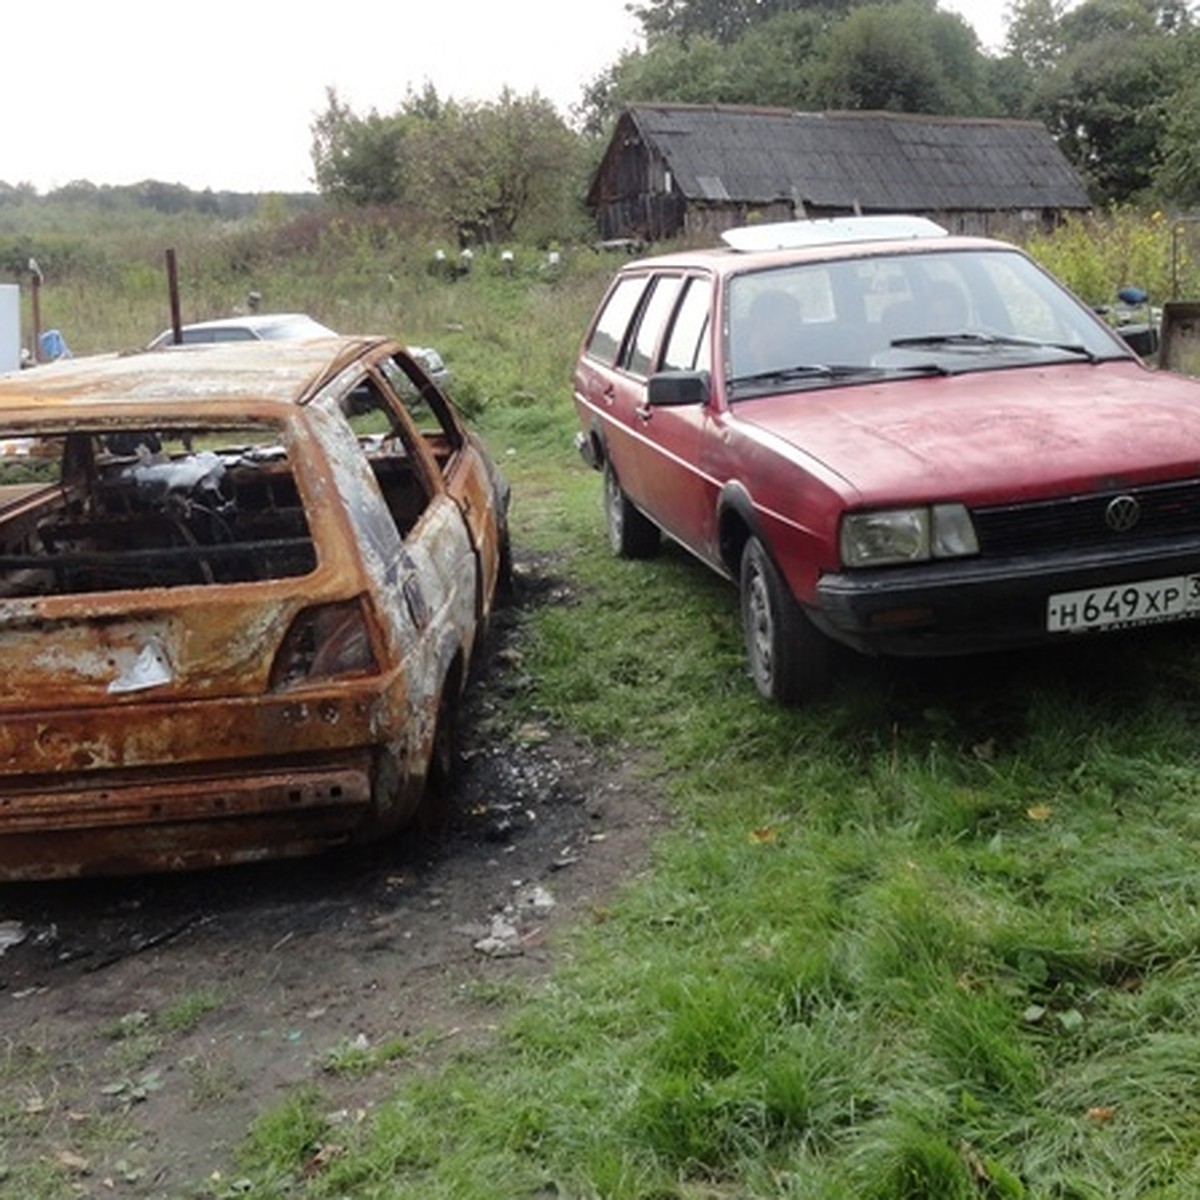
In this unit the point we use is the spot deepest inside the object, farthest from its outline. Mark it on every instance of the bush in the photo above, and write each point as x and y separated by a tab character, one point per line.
1096	256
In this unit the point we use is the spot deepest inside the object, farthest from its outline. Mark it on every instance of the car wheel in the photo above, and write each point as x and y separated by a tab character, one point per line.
434	810
504	569
630	534
443	752
789	658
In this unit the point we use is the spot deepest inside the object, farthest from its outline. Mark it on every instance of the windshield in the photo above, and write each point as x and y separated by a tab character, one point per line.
941	312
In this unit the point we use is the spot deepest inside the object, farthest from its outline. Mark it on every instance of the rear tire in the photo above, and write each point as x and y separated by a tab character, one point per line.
443	753
435	809
789	658
504	570
630	534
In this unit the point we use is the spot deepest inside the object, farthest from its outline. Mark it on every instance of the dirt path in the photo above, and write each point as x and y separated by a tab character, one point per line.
144	1024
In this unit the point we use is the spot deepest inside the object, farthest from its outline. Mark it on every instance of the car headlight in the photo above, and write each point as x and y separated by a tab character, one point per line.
906	535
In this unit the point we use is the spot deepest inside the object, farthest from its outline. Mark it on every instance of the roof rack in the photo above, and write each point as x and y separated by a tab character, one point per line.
792	235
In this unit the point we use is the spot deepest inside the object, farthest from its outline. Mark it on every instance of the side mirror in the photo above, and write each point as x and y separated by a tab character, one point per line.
674	388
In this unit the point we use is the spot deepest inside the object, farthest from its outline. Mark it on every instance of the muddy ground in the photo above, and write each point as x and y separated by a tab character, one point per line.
145	1023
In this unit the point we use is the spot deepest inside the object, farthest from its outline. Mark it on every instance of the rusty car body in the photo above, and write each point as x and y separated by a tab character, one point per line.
241	587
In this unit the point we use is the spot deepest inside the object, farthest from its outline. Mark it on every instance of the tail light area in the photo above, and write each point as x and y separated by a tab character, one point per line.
326	641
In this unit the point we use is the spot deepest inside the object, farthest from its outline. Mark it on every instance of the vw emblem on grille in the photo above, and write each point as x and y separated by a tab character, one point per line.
1122	514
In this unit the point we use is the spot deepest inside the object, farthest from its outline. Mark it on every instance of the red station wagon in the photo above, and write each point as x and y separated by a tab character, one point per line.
899	440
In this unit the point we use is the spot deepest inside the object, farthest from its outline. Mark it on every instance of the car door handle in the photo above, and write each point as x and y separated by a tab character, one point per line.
644	412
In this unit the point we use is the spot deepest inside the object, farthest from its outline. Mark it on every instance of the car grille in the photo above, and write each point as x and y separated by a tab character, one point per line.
1079	522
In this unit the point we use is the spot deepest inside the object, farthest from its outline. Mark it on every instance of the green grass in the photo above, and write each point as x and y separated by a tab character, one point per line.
354	1059
936	938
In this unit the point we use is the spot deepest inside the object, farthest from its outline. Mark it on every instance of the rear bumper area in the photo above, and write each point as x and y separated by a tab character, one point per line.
130	822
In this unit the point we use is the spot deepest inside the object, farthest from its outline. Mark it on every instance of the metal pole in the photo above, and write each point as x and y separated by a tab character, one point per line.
173	289
35	309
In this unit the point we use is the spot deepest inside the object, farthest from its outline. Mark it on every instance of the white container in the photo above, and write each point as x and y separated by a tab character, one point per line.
10	327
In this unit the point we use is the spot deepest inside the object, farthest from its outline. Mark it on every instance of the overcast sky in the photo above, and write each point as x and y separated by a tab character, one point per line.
222	94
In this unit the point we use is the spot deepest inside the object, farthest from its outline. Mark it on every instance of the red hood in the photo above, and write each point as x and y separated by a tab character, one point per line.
990	436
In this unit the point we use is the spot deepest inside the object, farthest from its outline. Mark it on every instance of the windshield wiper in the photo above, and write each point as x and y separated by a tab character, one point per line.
807	371
925	368
992	339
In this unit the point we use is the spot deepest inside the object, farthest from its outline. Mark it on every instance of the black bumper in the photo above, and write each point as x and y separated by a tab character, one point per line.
974	605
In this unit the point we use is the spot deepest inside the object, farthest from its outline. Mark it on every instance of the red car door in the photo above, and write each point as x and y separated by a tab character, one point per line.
631	445
674	488
604	390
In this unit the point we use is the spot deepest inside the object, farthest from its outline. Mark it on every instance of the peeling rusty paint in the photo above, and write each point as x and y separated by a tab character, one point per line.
229	617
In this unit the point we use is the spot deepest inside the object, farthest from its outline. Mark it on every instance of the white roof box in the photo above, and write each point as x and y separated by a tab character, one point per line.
827	231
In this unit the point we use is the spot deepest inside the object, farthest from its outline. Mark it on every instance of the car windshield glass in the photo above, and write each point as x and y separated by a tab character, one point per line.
943	311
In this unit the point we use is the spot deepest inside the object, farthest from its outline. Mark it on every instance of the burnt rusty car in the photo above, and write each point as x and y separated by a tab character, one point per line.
241	587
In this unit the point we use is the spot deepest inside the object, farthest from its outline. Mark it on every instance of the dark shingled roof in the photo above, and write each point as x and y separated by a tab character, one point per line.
881	161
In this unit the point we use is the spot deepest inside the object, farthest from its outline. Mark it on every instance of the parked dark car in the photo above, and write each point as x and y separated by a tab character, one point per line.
241	588
891	438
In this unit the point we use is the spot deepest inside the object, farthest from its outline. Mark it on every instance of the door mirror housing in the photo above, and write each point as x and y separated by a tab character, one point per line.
670	389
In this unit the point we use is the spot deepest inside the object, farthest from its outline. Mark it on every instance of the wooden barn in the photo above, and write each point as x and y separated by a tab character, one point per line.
677	170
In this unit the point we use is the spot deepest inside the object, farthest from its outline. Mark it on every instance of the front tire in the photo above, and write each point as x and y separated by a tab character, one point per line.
630	534
789	658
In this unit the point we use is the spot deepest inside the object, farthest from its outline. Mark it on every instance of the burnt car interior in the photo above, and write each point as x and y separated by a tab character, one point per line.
384	440
127	507
370	410
124	506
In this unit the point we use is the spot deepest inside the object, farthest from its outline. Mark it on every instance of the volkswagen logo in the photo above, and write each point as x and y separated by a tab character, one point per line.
1122	514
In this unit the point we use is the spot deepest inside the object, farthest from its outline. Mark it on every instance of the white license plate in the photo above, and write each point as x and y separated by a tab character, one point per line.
1140	603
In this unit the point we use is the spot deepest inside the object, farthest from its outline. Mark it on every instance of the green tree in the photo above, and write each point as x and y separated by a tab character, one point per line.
724	21
903	57
698	71
1105	98
17	193
1177	174
358	160
775	62
1097	19
1034	34
485	170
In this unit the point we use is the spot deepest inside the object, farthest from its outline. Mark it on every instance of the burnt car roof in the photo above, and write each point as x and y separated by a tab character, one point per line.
281	372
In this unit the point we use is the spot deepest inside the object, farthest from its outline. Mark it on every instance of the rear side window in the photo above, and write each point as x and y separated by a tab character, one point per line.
608	334
688	341
654	317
